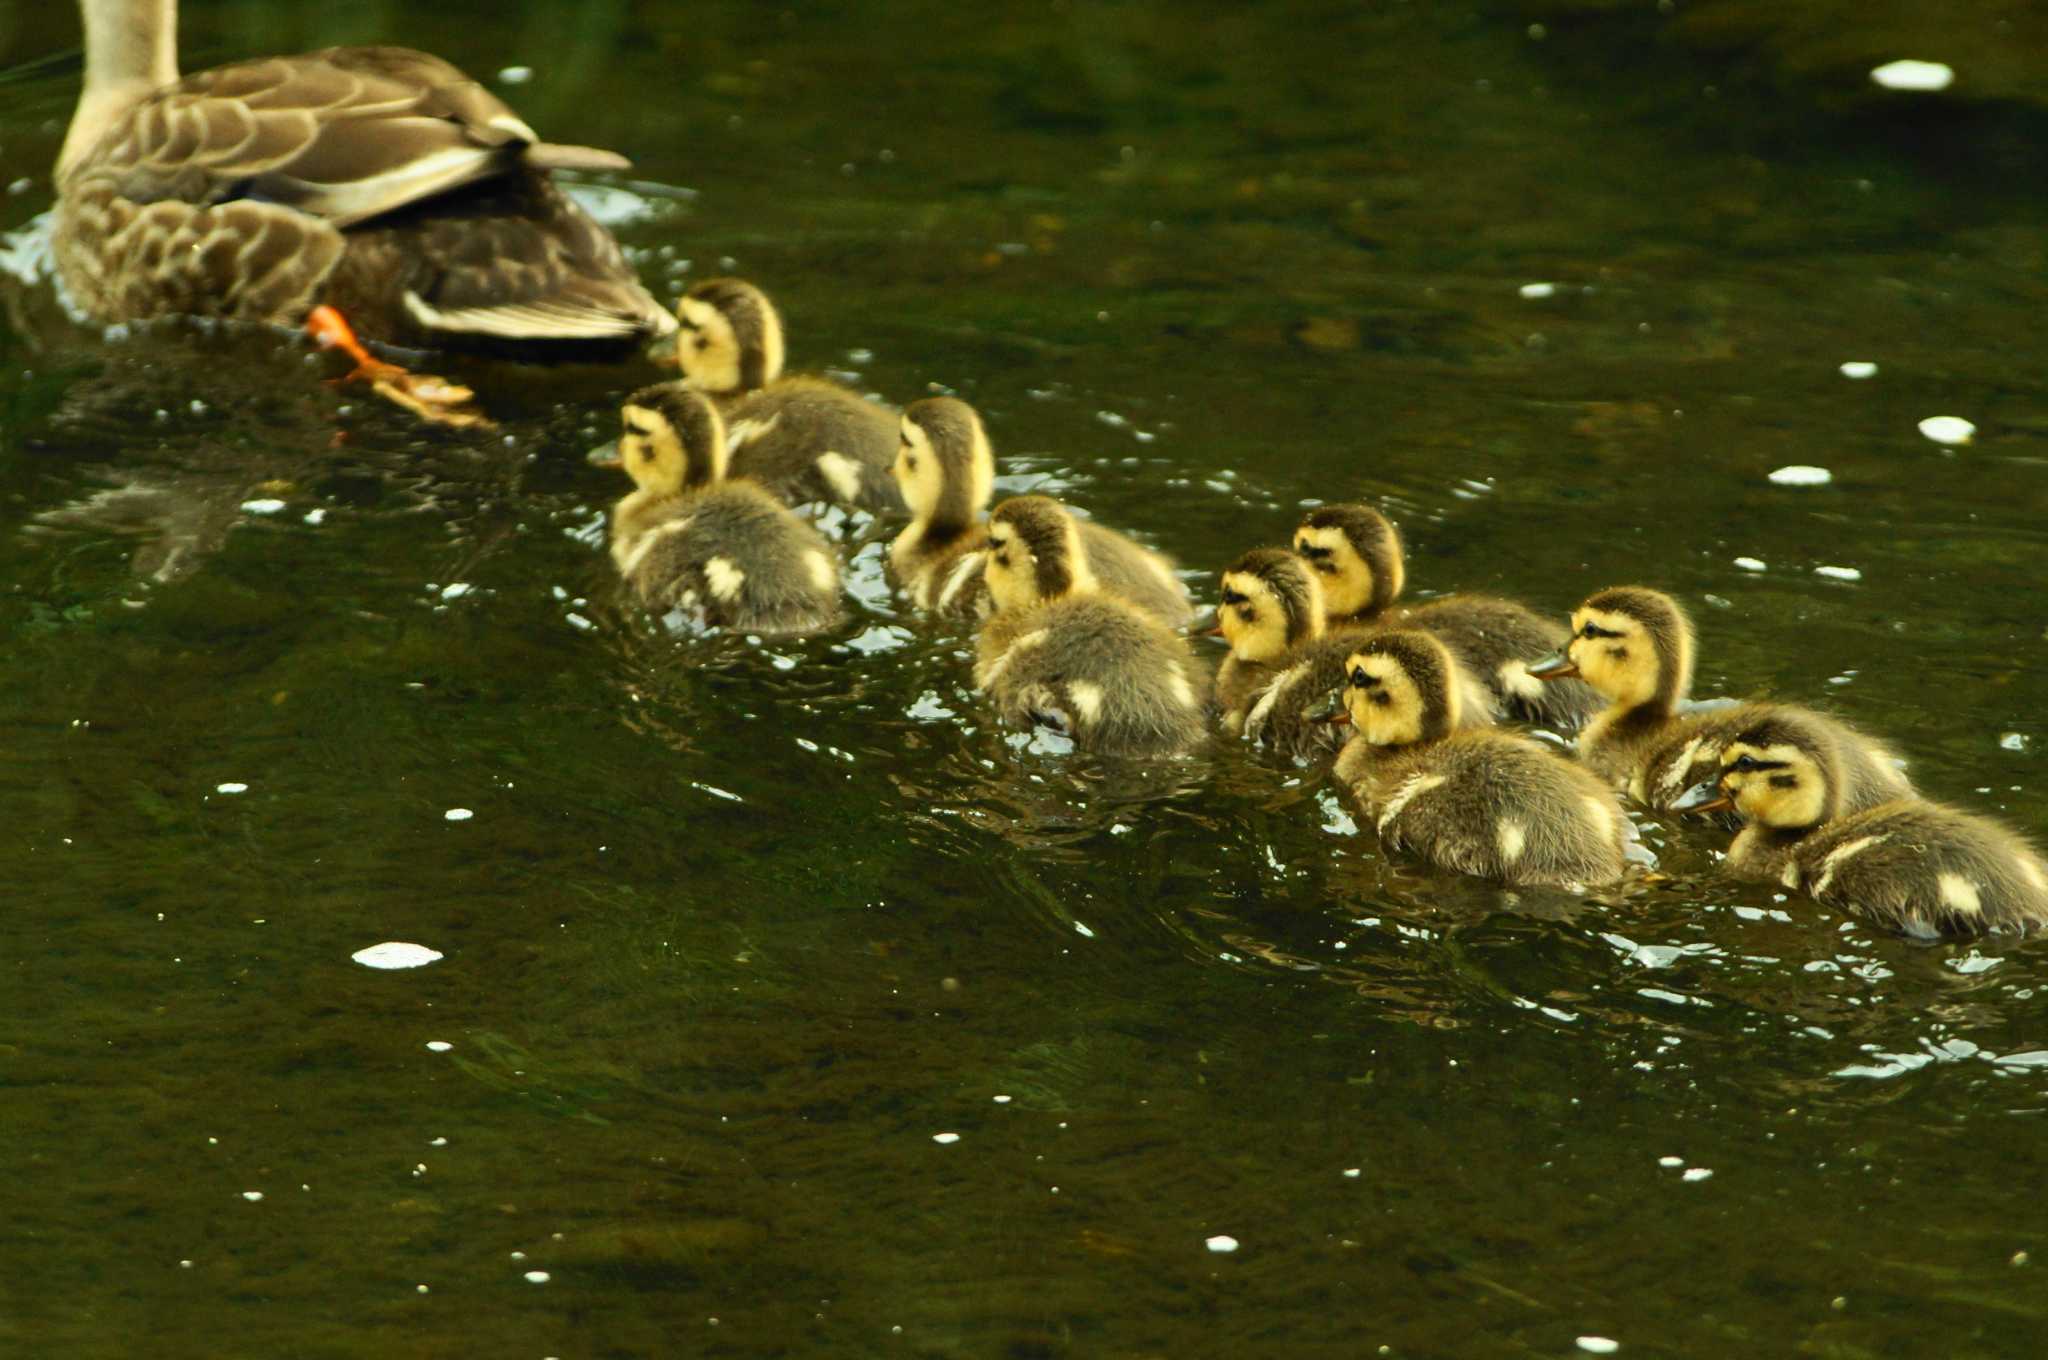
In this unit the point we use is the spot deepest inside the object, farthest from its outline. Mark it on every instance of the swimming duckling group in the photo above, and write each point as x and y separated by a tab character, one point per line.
1087	632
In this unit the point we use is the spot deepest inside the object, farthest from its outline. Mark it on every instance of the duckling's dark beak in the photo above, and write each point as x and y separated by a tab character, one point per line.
662	348
1208	624
1705	796
1558	667
605	456
1331	710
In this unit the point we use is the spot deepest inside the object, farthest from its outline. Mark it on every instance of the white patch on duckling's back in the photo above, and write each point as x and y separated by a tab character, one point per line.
724	577
1087	699
1516	680
823	574
2031	871
1412	788
841	473
963	572
1959	895
1512	837
1672	781
986	677
1177	681
634	555
1262	711
1837	857
1602	814
744	432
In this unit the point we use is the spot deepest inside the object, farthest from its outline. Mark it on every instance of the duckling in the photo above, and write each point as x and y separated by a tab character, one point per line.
947	472
1356	553
1635	646
1921	868
1477	801
1060	651
803	438
692	539
1282	664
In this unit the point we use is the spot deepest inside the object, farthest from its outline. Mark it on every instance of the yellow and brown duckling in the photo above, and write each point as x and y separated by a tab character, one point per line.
1060	652
1357	557
804	438
1283	664
1478	800
689	538
947	470
1635	646
1921	868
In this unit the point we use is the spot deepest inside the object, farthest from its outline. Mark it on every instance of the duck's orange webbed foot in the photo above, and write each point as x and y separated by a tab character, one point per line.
426	396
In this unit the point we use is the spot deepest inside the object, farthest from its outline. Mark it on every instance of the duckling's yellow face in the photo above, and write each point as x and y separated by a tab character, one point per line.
916	470
1383	700
1011	571
1614	654
1253	620
706	347
1779	785
651	450
1346	578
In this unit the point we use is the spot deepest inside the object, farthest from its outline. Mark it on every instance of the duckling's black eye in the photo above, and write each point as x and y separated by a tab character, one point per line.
1359	679
1745	763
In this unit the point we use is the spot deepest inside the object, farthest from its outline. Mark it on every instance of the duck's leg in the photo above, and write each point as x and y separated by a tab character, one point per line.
426	396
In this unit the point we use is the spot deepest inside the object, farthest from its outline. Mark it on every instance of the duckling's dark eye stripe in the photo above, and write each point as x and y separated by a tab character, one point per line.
1594	630
1232	597
1311	552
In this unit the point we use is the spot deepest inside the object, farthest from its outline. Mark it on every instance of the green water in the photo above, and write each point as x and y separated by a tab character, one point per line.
736	930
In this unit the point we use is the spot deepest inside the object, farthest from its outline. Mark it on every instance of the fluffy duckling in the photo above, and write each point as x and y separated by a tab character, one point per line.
1283	665
1917	867
1478	801
1060	651
947	473
1635	646
803	438
688	538
1356	554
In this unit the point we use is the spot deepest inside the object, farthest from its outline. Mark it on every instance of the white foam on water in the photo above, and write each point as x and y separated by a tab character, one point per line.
1534	291
1751	563
1222	1243
1839	573
1801	474
1599	1345
263	505
945	1138
438	1045
396	954
1908	74
1950	430
1858	369
232	786
458	814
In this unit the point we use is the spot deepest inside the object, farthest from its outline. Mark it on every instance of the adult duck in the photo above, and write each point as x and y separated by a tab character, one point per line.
355	189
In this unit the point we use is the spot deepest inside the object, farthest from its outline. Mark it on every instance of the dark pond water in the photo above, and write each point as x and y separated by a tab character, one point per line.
737	931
